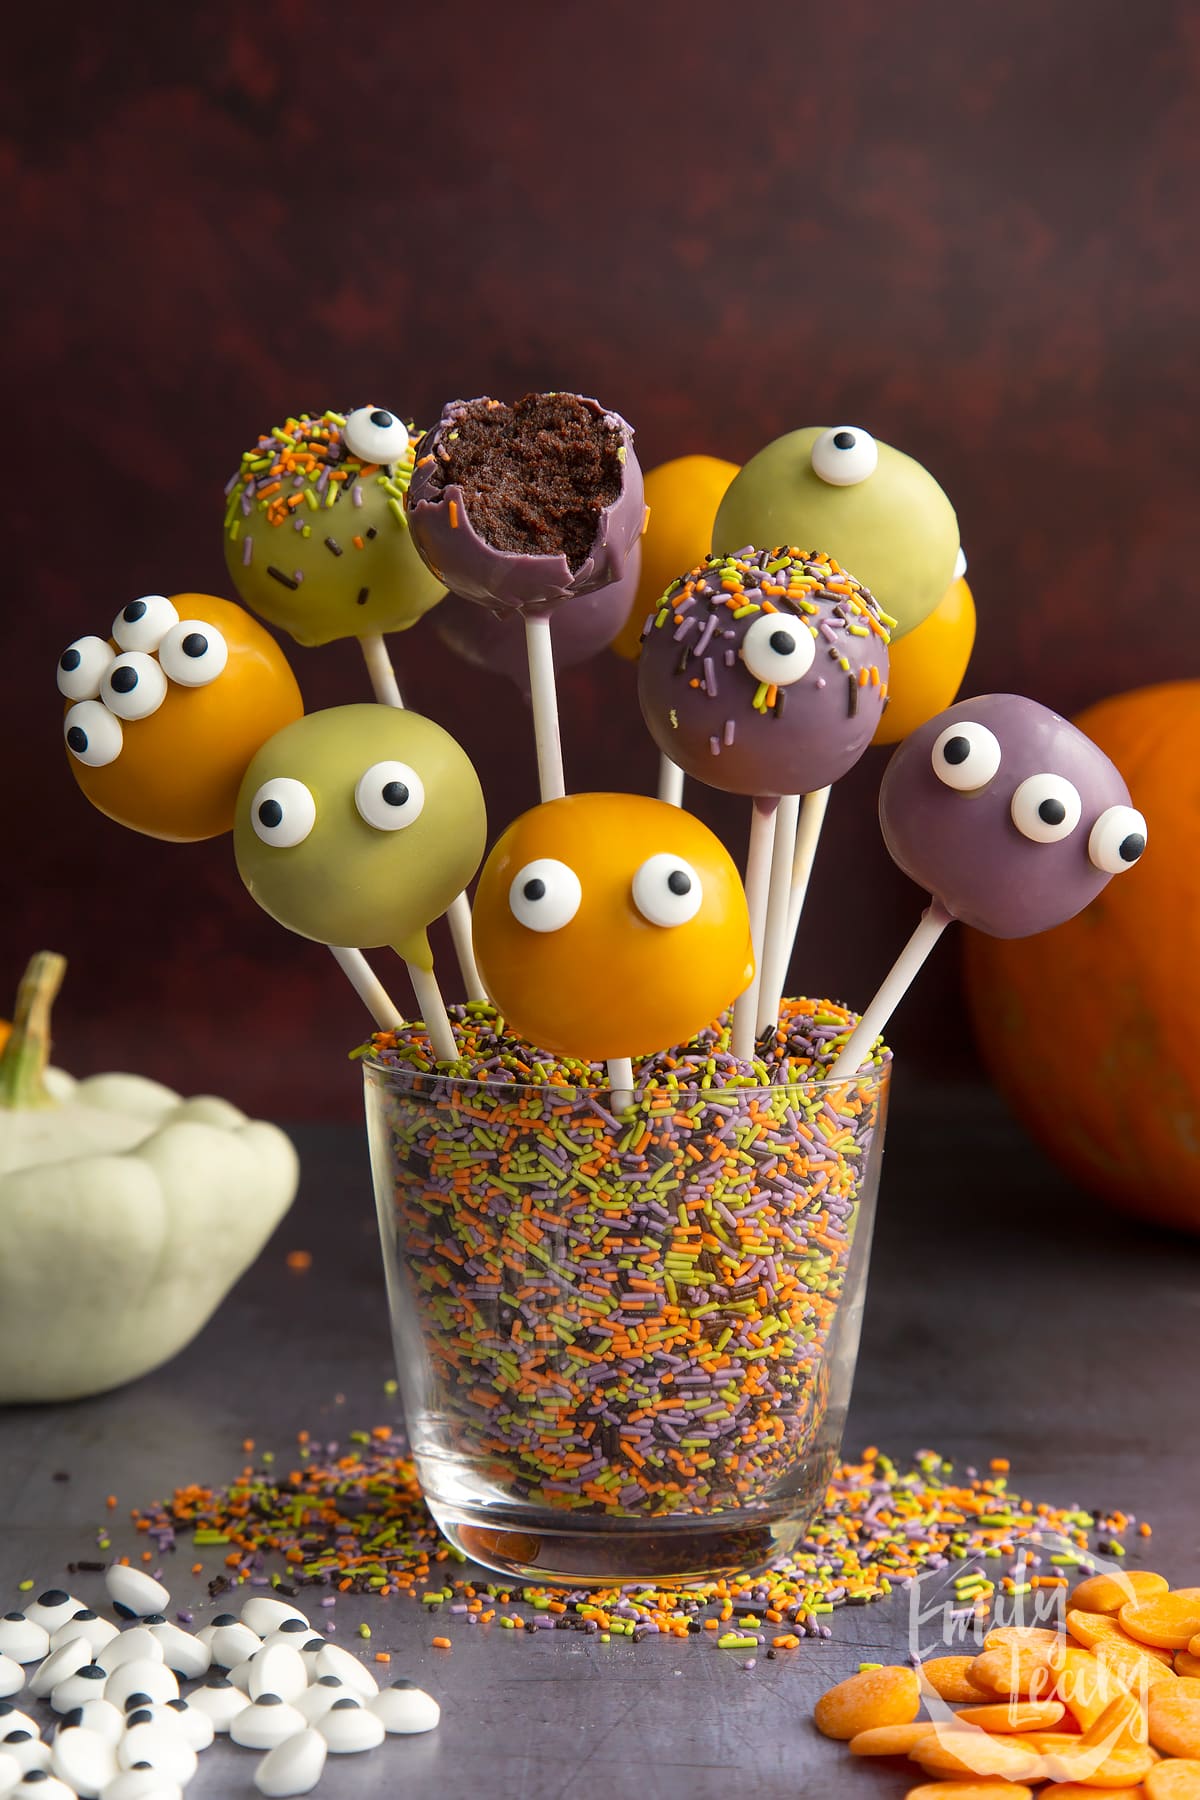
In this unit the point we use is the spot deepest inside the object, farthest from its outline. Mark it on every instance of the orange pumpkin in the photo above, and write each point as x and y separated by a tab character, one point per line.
1092	1031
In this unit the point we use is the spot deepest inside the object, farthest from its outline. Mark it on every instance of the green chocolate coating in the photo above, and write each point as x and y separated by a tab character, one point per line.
895	532
352	540
348	883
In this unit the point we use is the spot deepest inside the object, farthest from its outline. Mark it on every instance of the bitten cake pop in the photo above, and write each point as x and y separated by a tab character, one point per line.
164	714
316	538
610	925
765	672
873	508
528	507
496	642
359	825
1012	820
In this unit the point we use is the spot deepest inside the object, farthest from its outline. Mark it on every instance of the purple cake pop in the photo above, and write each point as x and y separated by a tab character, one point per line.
765	673
526	506
495	641
1008	815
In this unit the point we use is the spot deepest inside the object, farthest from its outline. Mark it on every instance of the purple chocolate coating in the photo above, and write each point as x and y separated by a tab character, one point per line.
965	849
706	709
475	569
578	631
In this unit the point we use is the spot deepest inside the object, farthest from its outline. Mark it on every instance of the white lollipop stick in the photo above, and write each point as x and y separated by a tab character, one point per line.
670	780
808	834
368	987
459	915
777	944
433	1011
544	697
387	691
620	1080
379	667
897	982
758	884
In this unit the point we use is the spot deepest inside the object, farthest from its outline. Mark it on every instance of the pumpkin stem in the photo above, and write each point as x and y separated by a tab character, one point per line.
27	1052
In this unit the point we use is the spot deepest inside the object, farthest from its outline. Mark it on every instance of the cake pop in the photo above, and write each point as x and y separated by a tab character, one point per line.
608	925
316	538
496	641
164	714
527	507
765	674
358	825
873	508
1013	821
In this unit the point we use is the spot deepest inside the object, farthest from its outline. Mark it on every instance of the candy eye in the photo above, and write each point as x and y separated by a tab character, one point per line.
965	756
545	896
778	648
1046	808
283	812
144	623
134	686
1117	839
845	456
375	435
667	890
193	653
93	734
390	796
82	667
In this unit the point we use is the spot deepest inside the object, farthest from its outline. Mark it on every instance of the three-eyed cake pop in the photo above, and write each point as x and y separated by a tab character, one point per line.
358	825
765	673
165	712
610	925
527	507
1010	817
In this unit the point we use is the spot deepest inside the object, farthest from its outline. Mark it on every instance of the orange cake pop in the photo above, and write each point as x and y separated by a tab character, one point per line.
164	715
610	925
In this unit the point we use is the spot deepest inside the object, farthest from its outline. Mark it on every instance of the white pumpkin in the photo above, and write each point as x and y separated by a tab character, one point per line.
126	1214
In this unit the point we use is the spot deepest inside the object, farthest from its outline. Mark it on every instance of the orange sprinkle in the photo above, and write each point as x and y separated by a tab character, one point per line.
441	1643
453	511
383	1656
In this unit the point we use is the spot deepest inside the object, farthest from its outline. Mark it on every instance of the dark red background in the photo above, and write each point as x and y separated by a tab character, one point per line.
969	228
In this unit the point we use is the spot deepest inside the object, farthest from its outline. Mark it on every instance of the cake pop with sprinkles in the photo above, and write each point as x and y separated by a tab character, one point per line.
358	826
1012	820
609	925
875	509
316	537
164	713
765	673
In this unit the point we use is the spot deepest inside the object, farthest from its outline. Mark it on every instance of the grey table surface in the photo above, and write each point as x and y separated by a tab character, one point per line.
1007	1315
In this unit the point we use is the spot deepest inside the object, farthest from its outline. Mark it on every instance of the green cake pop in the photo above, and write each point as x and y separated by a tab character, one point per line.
316	540
837	490
359	825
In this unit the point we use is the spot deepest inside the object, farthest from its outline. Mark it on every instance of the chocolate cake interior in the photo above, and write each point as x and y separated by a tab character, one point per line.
536	475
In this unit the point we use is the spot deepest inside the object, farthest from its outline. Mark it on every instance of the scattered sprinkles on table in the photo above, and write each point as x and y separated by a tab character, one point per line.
631	1315
346	1516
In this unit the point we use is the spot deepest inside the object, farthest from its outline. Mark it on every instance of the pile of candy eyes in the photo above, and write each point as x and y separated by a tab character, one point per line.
122	1728
107	686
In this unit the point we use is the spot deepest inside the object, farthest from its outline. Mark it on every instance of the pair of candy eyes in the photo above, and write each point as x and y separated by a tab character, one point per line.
375	435
546	894
1045	808
388	796
154	647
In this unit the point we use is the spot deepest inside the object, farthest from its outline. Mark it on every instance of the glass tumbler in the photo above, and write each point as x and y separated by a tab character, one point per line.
625	1340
